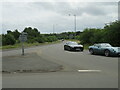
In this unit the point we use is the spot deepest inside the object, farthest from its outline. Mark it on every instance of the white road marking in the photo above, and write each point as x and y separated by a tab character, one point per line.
74	52
89	70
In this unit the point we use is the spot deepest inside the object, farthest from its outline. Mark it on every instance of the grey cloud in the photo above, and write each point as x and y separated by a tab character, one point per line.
64	8
43	15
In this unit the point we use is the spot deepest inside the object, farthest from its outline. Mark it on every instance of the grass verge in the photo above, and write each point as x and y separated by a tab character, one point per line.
27	45
86	46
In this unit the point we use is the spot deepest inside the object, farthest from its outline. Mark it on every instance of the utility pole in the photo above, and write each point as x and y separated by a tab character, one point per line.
23	48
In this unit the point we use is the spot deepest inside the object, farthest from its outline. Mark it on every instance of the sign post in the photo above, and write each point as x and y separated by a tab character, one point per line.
23	38
22	48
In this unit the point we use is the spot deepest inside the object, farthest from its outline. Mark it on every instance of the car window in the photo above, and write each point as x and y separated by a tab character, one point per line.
67	43
97	45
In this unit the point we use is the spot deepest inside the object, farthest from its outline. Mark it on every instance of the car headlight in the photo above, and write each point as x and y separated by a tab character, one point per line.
113	50
81	45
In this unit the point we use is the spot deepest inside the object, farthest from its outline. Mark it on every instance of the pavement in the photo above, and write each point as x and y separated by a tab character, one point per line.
80	70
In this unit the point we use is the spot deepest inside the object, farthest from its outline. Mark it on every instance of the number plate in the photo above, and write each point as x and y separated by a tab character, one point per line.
77	48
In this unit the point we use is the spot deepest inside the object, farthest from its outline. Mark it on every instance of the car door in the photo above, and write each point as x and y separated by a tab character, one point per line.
67	45
97	48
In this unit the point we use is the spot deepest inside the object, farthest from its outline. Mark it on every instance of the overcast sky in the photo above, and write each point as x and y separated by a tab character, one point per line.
43	15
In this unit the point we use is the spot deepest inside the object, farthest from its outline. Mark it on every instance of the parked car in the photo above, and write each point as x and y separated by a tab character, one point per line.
62	40
105	49
73	46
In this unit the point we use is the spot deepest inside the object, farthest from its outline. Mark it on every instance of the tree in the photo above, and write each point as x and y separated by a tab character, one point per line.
112	33
9	32
85	37
33	34
16	34
40	39
51	38
109	34
8	39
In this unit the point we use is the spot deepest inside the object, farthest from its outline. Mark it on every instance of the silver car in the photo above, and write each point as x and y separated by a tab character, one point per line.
105	49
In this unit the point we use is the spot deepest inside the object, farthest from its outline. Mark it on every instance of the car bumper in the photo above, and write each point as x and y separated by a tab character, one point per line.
78	48
115	53
118	54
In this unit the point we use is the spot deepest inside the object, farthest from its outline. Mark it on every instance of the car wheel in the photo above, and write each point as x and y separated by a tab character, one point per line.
69	49
81	49
91	51
64	48
107	53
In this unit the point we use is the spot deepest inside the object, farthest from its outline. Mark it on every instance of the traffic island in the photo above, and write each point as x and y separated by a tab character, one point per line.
29	63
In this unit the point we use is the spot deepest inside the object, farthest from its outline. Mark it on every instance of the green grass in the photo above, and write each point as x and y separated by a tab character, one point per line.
26	45
86	46
10	46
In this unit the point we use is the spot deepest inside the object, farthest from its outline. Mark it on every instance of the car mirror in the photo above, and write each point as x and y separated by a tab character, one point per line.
98	46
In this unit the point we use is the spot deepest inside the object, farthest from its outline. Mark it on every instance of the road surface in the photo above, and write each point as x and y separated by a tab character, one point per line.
71	76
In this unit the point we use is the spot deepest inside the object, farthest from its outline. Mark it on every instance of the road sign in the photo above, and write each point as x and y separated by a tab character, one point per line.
23	38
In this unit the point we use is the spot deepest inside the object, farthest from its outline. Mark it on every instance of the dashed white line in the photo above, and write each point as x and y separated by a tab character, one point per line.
89	70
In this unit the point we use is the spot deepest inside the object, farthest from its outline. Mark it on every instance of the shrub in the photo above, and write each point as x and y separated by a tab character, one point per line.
8	39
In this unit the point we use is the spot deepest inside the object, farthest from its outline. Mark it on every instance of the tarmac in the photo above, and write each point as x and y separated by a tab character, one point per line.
28	63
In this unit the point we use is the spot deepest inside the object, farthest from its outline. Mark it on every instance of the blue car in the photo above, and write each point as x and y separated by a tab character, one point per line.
104	49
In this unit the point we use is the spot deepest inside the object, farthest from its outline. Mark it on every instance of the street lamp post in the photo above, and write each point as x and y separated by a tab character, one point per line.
53	28
74	22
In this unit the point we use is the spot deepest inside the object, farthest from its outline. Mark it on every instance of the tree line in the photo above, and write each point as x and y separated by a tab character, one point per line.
109	34
33	36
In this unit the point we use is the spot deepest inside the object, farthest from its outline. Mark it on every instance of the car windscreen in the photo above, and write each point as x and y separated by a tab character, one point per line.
73	43
106	45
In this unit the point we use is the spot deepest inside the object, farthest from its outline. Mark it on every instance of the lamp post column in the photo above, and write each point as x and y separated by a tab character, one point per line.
75	24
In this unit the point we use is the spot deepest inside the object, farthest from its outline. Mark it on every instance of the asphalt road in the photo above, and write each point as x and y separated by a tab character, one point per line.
69	77
29	63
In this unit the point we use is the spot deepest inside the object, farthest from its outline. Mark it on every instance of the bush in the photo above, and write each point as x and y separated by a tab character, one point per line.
109	34
8	39
112	33
40	39
31	41
51	38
